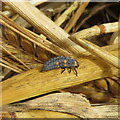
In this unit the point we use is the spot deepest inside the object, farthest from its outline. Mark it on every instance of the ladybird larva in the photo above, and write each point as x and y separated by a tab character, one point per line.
61	62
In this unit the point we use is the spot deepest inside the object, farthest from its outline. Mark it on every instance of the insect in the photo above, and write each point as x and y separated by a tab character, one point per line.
61	62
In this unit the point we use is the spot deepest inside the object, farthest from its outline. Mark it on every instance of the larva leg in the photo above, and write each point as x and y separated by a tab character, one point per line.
75	71
63	69
69	70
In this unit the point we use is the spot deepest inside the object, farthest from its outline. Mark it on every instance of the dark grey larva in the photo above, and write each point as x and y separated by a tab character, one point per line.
61	62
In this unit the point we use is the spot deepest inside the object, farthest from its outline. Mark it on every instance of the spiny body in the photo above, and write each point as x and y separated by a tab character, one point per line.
61	62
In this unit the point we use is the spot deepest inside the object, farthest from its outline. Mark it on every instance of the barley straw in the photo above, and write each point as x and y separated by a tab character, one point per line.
46	26
96	50
15	57
66	13
114	38
76	16
34	39
97	30
9	66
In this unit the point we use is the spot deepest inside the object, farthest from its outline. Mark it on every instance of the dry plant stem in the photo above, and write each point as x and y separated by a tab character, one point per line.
8	13
33	82
35	114
97	30
60	50
93	12
114	78
107	111
38	2
111	13
96	50
26	58
74	104
20	31
114	38
111	47
32	37
110	27
76	16
49	9
26	34
64	16
47	27
9	67
41	114
15	57
6	66
14	17
12	62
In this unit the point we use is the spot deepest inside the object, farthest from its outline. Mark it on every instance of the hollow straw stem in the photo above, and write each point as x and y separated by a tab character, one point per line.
94	49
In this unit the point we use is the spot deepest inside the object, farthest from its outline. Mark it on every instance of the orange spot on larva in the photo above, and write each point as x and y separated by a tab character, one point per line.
57	63
65	65
75	64
65	61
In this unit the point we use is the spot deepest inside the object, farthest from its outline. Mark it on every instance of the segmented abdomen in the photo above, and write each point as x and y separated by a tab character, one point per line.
60	62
